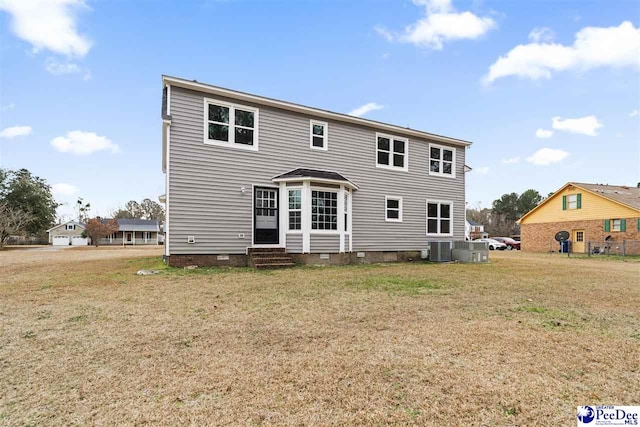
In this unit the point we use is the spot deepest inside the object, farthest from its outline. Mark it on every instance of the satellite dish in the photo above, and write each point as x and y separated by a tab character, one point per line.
561	236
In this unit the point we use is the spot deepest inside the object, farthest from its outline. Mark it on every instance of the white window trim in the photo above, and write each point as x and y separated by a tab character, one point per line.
453	164
613	225
326	190
405	168
426	213
299	188
386	209
325	135
347	210
569	202
232	117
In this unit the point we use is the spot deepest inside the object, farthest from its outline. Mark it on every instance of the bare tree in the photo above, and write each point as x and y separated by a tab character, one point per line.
83	210
12	222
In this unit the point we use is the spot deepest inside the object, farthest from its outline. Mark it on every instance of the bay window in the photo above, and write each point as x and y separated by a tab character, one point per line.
295	209
324	210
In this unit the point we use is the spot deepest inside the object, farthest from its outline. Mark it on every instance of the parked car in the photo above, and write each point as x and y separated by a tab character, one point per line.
493	244
511	243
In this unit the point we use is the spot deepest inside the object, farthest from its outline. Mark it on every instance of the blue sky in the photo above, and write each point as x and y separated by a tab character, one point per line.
548	91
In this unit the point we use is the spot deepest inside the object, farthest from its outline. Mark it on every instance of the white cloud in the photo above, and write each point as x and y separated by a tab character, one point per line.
386	34
482	170
634	113
55	67
544	133
14	131
8	107
82	143
62	189
585	125
547	156
366	108
58	68
441	23
511	161
48	25
593	47
541	34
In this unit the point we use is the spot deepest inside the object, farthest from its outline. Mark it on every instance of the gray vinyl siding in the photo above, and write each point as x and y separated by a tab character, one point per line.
205	181
325	243
294	243
346	242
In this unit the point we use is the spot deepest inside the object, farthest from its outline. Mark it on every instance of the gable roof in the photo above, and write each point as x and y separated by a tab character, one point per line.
628	196
127	224
620	194
65	223
243	96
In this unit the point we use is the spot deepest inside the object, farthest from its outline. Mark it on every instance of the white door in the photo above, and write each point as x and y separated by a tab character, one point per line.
79	241
60	240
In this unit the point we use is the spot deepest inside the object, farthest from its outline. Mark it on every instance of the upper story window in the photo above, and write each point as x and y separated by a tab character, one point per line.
231	125
319	134
71	226
439	218
392	152
295	209
442	161
393	209
572	201
324	210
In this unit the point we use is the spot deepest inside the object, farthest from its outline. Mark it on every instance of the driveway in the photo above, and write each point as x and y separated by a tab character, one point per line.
65	254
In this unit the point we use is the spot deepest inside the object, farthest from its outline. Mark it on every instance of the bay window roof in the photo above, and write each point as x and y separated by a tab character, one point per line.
315	175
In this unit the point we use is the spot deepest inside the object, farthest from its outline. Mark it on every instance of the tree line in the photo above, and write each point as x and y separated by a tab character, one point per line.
26	204
28	208
500	219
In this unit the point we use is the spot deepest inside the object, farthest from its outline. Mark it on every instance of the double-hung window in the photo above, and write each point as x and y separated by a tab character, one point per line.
393	209
616	225
442	161
324	210
295	209
392	152
347	210
439	218
231	125
319	134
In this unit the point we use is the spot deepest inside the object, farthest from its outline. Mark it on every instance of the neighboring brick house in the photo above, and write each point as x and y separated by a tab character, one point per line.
589	212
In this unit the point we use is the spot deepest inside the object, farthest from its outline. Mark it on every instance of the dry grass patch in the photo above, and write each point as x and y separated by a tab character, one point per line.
520	341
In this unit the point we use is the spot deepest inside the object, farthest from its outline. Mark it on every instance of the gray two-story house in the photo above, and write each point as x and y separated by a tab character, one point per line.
248	174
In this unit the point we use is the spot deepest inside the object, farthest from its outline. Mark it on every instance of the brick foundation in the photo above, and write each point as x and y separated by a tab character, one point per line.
540	237
207	261
313	259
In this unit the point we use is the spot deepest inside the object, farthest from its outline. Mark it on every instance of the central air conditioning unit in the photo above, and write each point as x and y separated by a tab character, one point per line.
440	251
470	252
